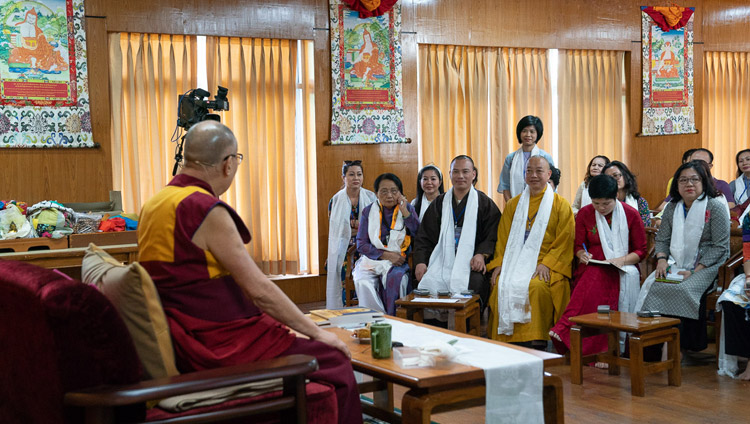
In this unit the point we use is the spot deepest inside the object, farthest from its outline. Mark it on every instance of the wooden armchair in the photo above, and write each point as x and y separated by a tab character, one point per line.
68	358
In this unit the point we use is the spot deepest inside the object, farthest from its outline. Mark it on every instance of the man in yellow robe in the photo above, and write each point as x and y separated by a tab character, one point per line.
548	290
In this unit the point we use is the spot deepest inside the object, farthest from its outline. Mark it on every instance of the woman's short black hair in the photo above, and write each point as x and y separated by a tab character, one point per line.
737	160
389	176
530	121
349	163
631	185
602	187
701	168
588	175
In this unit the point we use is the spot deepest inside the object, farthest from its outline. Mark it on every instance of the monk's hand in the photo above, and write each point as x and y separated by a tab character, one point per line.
477	263
402	202
393	257
495	274
332	340
542	271
419	271
661	268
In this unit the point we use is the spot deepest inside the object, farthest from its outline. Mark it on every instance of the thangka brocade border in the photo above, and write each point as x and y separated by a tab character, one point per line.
372	121
55	123
659	117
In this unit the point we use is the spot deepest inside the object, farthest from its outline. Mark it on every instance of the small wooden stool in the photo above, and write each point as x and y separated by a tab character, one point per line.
644	332
465	309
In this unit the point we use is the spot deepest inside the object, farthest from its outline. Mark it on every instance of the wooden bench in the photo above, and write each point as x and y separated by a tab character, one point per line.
70	257
465	309
643	332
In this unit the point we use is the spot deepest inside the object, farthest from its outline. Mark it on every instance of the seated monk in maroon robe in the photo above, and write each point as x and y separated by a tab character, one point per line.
222	310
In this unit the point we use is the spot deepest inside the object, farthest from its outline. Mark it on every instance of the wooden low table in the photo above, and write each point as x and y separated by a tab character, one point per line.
465	309
434	390
643	332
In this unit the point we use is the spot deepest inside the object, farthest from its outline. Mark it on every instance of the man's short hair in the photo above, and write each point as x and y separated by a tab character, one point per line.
701	149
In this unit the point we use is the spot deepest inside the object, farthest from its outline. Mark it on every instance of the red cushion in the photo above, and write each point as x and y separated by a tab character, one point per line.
79	339
321	407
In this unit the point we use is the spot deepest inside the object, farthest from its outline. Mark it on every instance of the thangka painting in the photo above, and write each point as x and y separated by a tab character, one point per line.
44	100
668	89
366	76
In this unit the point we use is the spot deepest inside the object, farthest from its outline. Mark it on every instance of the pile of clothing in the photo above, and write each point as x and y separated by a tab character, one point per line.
52	219
13	222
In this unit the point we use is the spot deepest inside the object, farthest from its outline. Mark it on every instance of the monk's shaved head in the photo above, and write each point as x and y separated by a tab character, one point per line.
542	160
208	142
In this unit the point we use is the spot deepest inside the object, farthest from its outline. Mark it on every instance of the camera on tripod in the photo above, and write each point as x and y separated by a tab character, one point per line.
193	106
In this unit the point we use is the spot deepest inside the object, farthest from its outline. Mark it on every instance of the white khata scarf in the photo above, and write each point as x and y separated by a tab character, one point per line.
615	244
450	267
395	240
339	234
683	246
517	171
520	262
631	201
423	207
585	197
741	192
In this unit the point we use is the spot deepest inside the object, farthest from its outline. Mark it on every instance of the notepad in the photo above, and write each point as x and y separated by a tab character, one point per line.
598	262
672	278
433	300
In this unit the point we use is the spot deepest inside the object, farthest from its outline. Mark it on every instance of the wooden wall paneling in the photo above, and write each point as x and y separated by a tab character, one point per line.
291	19
400	159
654	159
82	175
725	25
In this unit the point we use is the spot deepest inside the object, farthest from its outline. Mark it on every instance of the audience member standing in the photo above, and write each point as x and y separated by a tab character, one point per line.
528	132
344	214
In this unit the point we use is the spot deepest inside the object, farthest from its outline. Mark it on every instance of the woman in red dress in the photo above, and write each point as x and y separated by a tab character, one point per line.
606	230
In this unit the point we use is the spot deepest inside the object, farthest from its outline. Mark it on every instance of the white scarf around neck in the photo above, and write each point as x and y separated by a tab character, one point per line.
683	244
686	232
741	193
450	267
339	234
395	240
517	171
585	197
520	262
423	207
631	201
615	241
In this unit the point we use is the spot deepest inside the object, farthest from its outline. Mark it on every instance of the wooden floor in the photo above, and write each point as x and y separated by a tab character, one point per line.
703	397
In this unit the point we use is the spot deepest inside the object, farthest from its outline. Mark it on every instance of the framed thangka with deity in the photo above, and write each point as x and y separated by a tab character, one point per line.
367	105
668	87
44	100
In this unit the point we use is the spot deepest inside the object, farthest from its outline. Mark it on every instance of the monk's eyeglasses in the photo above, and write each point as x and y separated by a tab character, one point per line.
238	156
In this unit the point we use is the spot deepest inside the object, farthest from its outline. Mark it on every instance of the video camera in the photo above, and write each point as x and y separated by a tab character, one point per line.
193	106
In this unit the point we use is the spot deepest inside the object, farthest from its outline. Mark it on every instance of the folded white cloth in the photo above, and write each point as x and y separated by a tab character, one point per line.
213	397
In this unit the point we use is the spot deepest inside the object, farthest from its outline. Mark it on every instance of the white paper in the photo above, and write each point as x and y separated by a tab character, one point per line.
433	300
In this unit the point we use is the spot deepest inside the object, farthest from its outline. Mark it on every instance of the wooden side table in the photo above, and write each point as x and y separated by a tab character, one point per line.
465	309
643	332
